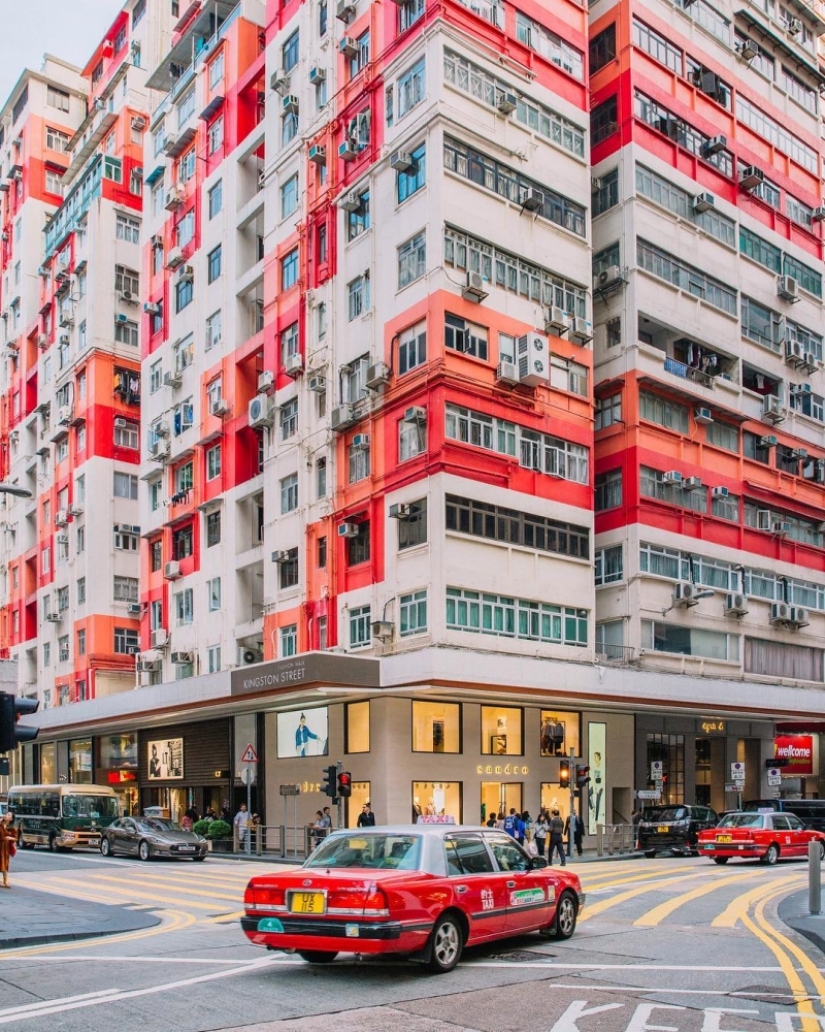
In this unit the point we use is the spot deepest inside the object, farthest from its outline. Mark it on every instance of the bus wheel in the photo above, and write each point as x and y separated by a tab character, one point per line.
54	845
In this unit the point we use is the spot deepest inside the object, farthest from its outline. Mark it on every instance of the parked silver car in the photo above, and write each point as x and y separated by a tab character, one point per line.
146	837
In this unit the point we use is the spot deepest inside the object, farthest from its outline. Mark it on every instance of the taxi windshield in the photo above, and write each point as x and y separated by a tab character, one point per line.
742	820
379	851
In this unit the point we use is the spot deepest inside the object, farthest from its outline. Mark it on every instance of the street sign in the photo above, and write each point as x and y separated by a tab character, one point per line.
649	793
737	772
732	786
286	790
774	776
249	754
247	776
656	770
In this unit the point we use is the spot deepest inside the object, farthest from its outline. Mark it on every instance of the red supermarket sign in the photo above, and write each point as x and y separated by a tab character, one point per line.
796	753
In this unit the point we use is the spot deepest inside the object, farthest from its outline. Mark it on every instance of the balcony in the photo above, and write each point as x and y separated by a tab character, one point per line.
615	655
687	372
197	40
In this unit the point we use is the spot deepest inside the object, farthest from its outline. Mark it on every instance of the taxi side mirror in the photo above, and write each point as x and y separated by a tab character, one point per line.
537	862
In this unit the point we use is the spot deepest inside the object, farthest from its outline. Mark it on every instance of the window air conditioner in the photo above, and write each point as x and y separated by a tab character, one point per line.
703	202
318	154
415	414
703	415
378	375
506	103
318	384
219	407
719	492
672	477
507	372
751	177
182	658
557	321
294	365
266	381
348	530
787	288
399	511
152	308
401	161
580	331
159	637
361	442
736	604
342	417
171	571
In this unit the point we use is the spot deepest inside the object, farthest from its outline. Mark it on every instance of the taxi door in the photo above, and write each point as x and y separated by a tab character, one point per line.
479	889
789	835
530	895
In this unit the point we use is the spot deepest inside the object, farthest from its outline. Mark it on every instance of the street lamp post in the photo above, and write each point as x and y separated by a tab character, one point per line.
16	490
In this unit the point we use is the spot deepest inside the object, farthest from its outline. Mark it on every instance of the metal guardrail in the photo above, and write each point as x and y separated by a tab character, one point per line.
276	840
615	838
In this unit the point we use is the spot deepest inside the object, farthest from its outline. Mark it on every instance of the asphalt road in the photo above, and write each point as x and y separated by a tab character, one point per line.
672	944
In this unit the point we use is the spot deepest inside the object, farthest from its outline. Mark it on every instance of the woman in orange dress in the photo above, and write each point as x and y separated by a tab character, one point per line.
8	840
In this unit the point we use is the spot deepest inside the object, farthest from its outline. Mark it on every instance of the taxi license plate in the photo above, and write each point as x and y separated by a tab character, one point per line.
724	838
307	903
94	843
663	829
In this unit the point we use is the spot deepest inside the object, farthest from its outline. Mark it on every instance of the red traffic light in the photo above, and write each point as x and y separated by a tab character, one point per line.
582	775
345	784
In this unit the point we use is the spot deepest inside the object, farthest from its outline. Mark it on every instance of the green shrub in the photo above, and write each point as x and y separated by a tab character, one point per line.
201	827
218	830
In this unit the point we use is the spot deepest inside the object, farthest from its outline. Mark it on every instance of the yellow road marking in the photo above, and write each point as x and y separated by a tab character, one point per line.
735	910
225	918
593	909
648	876
177	921
149	881
658	914
129	894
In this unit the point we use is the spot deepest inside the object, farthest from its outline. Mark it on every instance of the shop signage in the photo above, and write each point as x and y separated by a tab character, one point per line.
507	768
311	668
711	727
116	777
796	753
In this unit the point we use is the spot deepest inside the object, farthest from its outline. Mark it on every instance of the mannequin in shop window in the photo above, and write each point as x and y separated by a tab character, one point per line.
416	810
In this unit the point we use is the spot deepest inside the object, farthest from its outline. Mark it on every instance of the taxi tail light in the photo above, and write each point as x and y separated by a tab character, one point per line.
370	899
264	896
376	901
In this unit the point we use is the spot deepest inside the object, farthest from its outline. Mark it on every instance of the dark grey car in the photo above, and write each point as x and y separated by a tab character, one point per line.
673	828
145	837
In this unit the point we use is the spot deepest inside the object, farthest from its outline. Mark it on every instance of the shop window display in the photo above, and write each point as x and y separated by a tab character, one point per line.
502	731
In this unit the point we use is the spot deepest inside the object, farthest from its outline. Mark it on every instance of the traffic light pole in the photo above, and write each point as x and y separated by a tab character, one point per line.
572	767
339	766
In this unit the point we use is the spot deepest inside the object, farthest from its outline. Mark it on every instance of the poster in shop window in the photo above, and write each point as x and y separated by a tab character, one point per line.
303	732
166	760
596	794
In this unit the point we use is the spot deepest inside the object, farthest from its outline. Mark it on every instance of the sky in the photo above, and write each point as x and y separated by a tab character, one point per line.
69	29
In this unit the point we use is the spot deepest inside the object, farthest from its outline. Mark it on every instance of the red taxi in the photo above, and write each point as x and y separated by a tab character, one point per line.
765	836
422	890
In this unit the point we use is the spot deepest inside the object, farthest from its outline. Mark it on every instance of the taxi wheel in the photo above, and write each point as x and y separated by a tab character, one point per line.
721	859
771	855
447	944
105	847
315	956
198	858
821	850
564	923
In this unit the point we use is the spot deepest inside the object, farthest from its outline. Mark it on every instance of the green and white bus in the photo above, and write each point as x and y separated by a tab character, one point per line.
62	816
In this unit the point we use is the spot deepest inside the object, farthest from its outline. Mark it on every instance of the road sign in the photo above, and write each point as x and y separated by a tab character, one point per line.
774	776
247	776
287	790
737	772
649	793
249	754
732	786
656	770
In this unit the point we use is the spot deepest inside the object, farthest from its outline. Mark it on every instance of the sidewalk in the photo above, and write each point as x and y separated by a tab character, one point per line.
793	911
31	918
589	856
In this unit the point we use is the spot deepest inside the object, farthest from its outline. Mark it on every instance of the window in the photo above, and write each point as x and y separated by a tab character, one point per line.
412	259
414	178
510	527
360	633
358	221
156	557
358	547
126	641
411	88
465	337
126	434
603	48
125	485
776	659
289	493
214	264
604	120
213	462
182	542
608	565
770	130
608	411
126	589
726	508
81	642
127	229
361	56
358	291
413	613
289	196
55	98
288	570
661	191
412	529
53	181
290	52
289	127
515	618
81	590
213	659
412	440
322	553
184	292
608	490
185	229
606	194
215	135
686	277
761	324
289	419
184	607
113	169
213	330
127	279
436	727
664	412
723	435
289	641
213	594
502	731
321	478
213	529
289	342
186	108
184	477
412	347
289	270
138	12
215	196
689	641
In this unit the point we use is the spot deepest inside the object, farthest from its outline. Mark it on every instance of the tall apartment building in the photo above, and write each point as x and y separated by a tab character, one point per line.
707	230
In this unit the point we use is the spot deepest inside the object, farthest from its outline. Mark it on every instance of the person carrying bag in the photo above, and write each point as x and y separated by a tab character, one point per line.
8	846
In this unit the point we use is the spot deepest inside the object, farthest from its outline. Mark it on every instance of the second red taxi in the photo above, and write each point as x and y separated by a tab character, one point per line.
426	891
764	836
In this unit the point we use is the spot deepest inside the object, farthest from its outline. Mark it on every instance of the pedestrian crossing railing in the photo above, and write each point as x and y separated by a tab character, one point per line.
615	838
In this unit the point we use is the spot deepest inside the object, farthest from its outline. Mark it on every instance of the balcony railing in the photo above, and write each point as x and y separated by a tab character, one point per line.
619	655
491	12
687	372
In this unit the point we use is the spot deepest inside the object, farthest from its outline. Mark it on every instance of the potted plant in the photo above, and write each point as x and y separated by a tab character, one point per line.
219	836
201	827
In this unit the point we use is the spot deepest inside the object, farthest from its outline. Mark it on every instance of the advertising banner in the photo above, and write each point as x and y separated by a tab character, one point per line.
797	754
596	759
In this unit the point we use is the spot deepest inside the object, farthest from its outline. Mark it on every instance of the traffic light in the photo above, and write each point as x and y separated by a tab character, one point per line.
329	787
345	784
11	710
582	775
564	776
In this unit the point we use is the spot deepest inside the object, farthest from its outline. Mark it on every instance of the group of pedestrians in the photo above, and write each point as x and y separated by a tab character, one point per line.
548	831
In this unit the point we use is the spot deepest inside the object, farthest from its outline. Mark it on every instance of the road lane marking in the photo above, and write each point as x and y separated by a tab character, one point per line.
658	913
736	908
623	897
28	1010
128	894
149	881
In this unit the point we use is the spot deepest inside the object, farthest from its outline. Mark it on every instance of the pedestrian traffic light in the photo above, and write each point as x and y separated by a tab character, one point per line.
345	784
582	775
564	776
329	786
11	710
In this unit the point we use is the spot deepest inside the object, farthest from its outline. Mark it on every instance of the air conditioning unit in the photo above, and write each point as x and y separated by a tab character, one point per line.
703	415
171	571
768	441
581	332
42	341
703	202
182	658
401	161
159	637
772	409
673	476
799	617
557	321
691	483
170	143
794	27
684	592
121	318
61	517
533	351
348	46
787	288
249	656
780	612
161	450
66	319
318	154
148	666
719	492
811	362
266	381
748	49
350	201
416	414
781	528
294	365
507	372
261	411
77	510
532	199
342	417
152	308
378	375
317	76
399	511
174	258
134	609
348	150
736	604
382	629
289	104
506	103
361	442
219	407
64	415
318	384
794	353
127	297
348	530
608	277
279	81
474	288
173	380
54	617
175	196
750	177
798	389
345	11
281	556
818	213
714	145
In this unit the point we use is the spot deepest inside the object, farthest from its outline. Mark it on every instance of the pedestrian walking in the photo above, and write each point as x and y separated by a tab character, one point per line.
366	818
574	830
540	830
556	840
242	825
319	828
526	828
511	822
8	845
